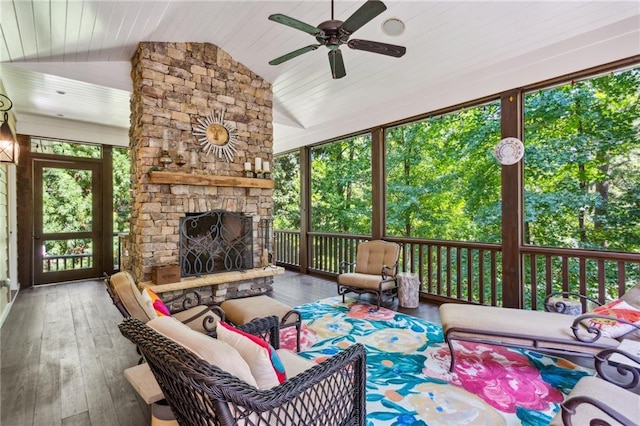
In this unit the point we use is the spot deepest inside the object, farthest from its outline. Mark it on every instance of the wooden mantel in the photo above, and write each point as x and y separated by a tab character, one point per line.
180	178
213	279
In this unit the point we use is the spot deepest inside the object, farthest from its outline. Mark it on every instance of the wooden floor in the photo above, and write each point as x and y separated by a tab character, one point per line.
62	355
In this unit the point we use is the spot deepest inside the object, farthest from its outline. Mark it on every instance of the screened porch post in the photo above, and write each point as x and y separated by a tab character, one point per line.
378	212
305	207
512	205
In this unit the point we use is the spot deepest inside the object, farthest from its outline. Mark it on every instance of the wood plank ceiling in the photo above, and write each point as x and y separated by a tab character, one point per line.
456	51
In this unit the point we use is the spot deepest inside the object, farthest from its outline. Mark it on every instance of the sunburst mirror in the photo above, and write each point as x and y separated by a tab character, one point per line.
216	136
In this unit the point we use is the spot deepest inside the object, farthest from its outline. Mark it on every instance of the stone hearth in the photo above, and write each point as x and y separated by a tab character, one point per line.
175	85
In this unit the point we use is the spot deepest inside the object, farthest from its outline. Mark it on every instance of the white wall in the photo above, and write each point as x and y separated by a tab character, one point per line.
8	243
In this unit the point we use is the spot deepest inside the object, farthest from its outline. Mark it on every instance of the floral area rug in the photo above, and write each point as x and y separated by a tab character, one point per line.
408	379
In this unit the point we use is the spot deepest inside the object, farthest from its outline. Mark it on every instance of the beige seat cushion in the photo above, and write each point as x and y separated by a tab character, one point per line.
535	324
293	363
241	311
632	296
196	324
127	291
370	282
372	255
214	351
623	401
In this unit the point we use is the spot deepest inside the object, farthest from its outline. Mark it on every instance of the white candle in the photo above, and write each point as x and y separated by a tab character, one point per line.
266	167
247	165
258	163
194	158
165	140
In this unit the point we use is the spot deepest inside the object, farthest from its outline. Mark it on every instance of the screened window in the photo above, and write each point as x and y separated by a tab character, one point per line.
72	149
121	189
442	179
286	196
341	186
582	164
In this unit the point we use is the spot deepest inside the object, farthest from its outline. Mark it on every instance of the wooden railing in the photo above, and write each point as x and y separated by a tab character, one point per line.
602	275
67	262
472	272
287	248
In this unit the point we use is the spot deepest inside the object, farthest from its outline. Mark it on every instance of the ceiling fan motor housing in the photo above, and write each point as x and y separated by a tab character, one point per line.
332	34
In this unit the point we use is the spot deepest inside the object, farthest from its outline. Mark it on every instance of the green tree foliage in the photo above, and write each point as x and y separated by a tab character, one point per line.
442	180
121	189
286	196
341	186
582	168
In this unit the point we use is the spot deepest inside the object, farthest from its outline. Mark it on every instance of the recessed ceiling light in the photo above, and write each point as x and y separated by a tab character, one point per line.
61	92
393	27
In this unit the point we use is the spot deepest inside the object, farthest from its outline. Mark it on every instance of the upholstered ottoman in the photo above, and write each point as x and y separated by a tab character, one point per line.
241	311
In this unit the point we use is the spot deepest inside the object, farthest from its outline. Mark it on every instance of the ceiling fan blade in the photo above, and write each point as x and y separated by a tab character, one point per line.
294	23
337	64
293	54
366	13
377	47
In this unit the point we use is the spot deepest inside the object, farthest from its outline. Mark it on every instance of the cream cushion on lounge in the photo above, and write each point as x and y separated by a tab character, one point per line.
196	324
632	296
293	363
621	400
526	324
243	310
214	351
127	291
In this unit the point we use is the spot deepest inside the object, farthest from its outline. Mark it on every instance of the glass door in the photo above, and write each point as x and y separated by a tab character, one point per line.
67	221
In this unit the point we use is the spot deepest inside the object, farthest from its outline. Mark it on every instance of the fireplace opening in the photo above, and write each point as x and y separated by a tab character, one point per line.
215	241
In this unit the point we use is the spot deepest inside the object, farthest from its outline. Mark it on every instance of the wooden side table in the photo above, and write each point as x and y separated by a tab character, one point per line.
143	381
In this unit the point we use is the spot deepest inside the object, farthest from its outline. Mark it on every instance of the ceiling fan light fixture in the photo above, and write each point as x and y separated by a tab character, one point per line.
393	27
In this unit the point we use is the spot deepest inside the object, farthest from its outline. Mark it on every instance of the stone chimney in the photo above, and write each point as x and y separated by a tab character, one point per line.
175	85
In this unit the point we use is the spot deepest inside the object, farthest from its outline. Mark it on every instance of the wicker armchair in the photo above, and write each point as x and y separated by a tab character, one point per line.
327	394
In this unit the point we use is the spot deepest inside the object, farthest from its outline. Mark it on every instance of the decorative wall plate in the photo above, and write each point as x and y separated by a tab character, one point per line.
509	151
217	136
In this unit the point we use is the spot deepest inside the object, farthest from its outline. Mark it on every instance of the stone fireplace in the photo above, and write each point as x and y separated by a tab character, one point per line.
175	85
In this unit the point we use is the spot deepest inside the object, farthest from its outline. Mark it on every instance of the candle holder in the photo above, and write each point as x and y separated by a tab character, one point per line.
267	175
259	174
180	160
165	159
248	173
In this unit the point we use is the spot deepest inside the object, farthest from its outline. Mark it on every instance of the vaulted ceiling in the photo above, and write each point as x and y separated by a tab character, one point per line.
65	63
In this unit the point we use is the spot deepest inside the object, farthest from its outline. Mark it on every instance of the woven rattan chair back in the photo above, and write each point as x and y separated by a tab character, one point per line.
329	394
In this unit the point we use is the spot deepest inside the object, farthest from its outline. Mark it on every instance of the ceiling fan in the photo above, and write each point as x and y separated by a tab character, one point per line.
334	33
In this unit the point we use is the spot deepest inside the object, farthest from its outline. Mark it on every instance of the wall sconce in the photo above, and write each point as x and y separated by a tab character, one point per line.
7	143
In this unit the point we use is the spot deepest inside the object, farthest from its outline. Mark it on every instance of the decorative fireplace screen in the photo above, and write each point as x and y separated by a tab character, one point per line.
215	241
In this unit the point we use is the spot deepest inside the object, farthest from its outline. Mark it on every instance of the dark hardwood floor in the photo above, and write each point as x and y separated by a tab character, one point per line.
63	357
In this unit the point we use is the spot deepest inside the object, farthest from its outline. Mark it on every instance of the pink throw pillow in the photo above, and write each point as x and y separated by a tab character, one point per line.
157	304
